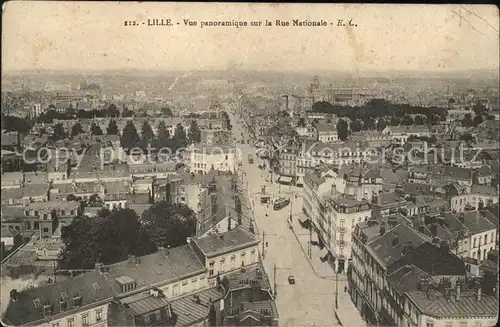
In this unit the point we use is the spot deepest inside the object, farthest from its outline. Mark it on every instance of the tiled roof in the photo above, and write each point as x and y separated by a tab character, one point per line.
144	303
387	253
406	278
476	223
30	190
246	277
36	177
158	267
23	311
468	305
484	190
433	260
237	238
188	311
53	205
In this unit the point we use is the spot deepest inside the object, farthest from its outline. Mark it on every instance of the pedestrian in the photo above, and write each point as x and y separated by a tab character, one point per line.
345	289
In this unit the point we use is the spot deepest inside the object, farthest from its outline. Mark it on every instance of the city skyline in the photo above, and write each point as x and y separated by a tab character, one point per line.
91	37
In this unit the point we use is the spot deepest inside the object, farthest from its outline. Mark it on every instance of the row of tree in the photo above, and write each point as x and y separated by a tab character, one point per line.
114	235
130	137
381	108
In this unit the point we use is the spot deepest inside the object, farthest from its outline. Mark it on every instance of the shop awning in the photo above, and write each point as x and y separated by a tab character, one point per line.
300	181
285	179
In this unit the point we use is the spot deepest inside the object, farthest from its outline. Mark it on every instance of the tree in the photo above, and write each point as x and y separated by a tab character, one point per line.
163	138
108	238
95	201
112	128
356	125
16	124
147	135
130	138
381	124
368	123
166	112
342	129
179	140
395	121
407	120
169	224
59	133
76	129
112	111
95	129
194	132
419	120
479	109
477	120
467	120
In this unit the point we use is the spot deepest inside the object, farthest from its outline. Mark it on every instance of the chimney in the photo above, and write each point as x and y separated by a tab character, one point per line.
98	267
14	295
131	258
395	240
333	190
423	284
375	198
77	300
63	304
445	246
382	230
47	309
434	230
457	291
479	291
229	222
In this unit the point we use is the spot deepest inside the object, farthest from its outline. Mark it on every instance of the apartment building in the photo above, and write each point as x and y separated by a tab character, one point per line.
479	197
327	132
377	244
225	252
401	134
206	158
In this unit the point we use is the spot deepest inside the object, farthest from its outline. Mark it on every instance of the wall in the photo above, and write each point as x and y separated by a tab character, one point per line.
225	262
78	318
485	247
185	285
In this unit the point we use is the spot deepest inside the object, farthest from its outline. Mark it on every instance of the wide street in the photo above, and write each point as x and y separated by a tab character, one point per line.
311	301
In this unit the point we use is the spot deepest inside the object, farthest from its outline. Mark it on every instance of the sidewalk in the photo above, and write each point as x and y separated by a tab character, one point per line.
347	313
322	269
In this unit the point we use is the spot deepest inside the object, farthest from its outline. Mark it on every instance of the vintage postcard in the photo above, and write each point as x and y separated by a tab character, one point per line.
244	164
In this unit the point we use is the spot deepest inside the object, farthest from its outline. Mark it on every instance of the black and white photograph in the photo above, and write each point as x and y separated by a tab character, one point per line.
249	164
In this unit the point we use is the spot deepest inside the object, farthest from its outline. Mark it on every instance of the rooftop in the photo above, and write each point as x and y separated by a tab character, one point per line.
28	308
476	223
156	268
246	277
53	205
388	248
437	305
235	239
189	311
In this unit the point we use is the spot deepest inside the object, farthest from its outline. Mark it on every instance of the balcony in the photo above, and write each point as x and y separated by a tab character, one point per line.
341	242
342	229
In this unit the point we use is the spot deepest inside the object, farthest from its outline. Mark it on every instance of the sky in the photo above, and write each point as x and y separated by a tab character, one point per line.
92	36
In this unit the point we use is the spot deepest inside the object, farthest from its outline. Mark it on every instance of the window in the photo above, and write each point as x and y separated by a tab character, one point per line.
232	262
85	319
252	256
463	324
449	324
71	322
56	324
485	239
474	242
98	315
222	264
36	225
45	230
211	268
480	239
